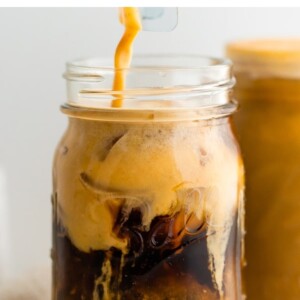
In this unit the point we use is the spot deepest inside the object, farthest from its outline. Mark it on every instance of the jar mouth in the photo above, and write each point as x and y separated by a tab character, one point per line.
149	62
153	82
265	58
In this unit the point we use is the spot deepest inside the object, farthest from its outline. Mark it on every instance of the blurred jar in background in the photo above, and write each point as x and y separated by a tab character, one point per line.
268	88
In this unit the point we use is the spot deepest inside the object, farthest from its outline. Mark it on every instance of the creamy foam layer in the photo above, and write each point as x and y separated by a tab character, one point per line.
160	169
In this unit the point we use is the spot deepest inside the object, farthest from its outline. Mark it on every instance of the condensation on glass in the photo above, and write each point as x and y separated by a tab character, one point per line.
148	198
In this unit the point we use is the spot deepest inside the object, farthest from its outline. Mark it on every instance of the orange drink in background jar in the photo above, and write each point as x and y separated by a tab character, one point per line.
268	123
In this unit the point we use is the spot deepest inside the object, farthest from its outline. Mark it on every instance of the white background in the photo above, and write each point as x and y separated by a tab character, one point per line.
34	45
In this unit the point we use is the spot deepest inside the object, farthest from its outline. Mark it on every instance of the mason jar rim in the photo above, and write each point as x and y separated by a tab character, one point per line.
165	85
101	63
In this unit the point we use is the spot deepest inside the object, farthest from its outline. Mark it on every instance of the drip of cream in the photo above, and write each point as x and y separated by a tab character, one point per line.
129	17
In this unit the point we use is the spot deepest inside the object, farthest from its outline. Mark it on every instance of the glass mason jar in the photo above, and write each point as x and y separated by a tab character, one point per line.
268	87
148	198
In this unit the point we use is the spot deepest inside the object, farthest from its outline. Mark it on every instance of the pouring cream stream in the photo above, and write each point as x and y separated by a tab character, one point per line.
130	18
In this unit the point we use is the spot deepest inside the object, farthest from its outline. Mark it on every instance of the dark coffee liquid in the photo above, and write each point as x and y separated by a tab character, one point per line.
165	262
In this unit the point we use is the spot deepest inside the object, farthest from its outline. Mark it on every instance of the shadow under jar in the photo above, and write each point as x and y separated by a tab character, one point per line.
148	198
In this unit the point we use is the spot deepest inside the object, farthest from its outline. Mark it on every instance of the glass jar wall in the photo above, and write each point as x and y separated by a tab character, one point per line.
148	198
